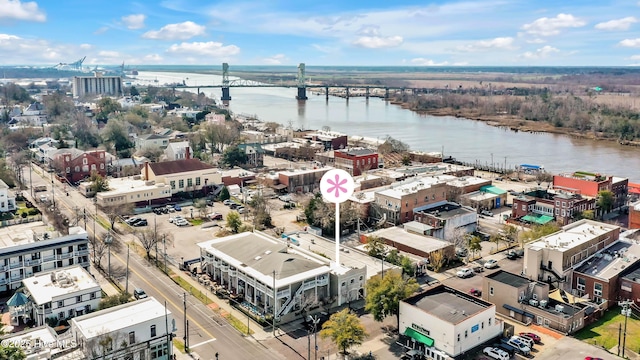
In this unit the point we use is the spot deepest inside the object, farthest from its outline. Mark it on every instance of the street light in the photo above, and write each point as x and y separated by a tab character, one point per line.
315	320
109	240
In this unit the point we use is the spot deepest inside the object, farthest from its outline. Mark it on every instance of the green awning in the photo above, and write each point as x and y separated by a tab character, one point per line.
492	190
419	337
538	219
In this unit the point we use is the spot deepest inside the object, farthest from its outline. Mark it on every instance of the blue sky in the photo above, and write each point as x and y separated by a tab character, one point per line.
322	32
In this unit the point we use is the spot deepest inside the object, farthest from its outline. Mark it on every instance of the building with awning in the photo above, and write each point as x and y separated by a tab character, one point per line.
444	323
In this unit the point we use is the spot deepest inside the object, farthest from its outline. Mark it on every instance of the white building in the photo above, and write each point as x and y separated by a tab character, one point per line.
444	322
152	141
62	294
182	175
141	329
96	85
7	200
130	190
24	252
40	343
245	263
178	150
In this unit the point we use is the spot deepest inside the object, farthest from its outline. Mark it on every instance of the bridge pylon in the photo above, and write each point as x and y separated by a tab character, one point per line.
302	83
225	83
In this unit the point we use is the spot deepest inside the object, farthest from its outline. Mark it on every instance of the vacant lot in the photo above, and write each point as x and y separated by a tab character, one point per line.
604	333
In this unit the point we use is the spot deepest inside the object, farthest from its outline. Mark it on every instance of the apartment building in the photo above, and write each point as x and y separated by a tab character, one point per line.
541	206
590	184
399	202
355	161
97	85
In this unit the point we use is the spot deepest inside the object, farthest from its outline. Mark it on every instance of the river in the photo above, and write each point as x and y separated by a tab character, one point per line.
466	140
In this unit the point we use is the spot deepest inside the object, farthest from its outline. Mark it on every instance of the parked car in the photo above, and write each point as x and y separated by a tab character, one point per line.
170	208
486	213
241	210
592	358
215	216
227	202
139	294
512	255
132	220
519	252
464	273
496	353
177	207
475	292
491	264
519	346
527	341
503	346
172	219
461	252
181	222
141	222
532	336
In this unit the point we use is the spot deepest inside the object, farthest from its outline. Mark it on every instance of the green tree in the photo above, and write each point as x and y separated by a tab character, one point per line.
437	260
344	329
134	92
114	300
98	183
310	209
115	132
224	194
384	294
233	221
605	200
538	231
408	267
475	244
12	353
375	247
107	106
233	156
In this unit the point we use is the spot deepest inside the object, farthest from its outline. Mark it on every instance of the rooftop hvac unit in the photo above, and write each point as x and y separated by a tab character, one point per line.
533	302
543	303
559	308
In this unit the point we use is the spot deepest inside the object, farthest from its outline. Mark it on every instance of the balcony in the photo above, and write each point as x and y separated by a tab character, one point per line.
64	256
33	262
224	268
82	252
49	258
16	265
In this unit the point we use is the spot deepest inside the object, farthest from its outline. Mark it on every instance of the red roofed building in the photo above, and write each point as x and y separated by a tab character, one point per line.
356	161
185	175
591	184
75	165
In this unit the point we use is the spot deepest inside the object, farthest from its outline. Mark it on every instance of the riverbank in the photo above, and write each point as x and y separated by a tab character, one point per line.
515	123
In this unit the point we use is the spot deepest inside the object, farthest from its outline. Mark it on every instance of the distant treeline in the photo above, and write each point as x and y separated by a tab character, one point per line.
564	110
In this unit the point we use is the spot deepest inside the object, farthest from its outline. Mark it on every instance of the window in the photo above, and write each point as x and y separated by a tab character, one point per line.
132	337
458	337
84	161
173	184
60	303
489	321
61	315
597	290
197	181
189	182
524	207
180	184
68	170
482	325
490	293
153	331
581	284
92	296
466	333
77	168
78	299
101	166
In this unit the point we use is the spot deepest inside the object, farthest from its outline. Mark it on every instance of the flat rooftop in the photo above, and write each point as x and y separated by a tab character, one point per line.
419	242
448	304
121	317
258	255
125	184
574	234
508	278
309	170
23	233
611	261
466	181
448	210
45	286
397	191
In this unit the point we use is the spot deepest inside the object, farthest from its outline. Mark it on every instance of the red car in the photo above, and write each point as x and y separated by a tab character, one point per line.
532	336
592	358
475	292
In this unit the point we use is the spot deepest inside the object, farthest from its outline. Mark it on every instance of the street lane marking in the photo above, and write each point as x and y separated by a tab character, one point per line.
201	343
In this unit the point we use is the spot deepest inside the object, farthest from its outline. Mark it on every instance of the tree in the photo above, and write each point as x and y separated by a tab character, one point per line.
475	244
151	152
233	221
437	260
605	200
384	294
98	183
149	239
114	300
9	351
344	329
115	132
538	231
375	247
114	212
201	206
496	238
261	211
224	194
408	267
107	106
233	156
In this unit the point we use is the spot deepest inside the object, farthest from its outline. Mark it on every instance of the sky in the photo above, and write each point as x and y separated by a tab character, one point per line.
321	32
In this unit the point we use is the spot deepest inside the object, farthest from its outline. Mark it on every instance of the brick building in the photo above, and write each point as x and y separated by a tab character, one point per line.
76	165
591	184
356	161
399	202
540	206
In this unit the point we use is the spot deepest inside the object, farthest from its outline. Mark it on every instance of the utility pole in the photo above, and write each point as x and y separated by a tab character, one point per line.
274	303
626	311
164	242
186	323
126	287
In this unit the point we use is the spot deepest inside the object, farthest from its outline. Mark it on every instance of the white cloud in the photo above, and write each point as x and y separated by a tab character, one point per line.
7	38
427	62
324	48
376	42
101	30
634	57
210	48
17	10
505	43
86	46
630	42
134	21
543	52
181	31
536	41
552	26
618	24
277	59
151	58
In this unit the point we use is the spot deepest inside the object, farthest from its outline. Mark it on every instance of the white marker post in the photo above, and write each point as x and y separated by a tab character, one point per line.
336	187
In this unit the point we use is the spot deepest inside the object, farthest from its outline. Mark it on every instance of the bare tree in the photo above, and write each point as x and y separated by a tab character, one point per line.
456	236
149	239
114	212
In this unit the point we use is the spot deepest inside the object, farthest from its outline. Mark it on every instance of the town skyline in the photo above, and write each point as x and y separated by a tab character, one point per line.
330	33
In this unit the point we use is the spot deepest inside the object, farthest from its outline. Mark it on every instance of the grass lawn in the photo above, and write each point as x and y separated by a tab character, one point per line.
196	221
604	332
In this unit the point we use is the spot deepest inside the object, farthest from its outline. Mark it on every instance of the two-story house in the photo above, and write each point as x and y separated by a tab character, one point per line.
76	165
153	141
178	150
7	199
62	294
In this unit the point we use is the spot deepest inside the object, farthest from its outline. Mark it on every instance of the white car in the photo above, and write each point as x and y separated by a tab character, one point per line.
491	264
519	346
464	273
181	222
496	353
